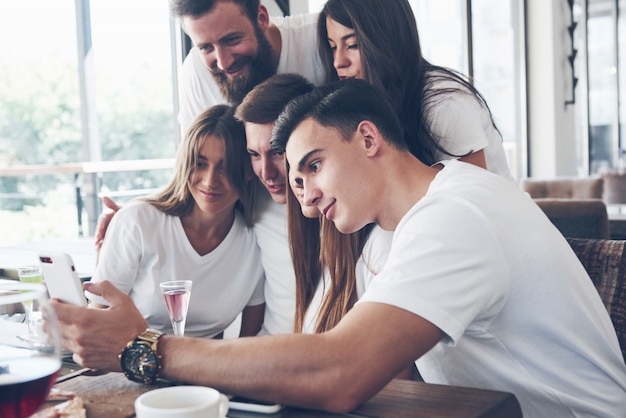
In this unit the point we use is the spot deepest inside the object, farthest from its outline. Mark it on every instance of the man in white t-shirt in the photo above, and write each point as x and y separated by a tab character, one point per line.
258	111
235	47
480	289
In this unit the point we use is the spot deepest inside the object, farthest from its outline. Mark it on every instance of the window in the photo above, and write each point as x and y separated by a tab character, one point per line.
94	80
80	81
605	89
495	63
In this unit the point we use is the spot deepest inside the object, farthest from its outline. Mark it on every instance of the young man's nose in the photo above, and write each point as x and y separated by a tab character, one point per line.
268	169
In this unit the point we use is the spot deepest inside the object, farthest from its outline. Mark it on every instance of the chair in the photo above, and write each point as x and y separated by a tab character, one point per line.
614	192
564	187
577	218
605	262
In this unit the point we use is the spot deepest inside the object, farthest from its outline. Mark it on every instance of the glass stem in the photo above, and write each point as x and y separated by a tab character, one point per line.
179	328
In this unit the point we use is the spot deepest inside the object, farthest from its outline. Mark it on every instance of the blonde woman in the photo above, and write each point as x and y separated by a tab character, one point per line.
197	228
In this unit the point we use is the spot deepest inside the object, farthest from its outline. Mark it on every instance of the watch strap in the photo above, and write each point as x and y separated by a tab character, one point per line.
150	337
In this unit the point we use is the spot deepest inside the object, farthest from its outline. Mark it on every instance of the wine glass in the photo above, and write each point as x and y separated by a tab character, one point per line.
30	274
176	294
27	369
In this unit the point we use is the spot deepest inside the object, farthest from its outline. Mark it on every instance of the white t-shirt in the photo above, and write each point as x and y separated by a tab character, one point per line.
371	262
478	259
463	125
298	54
270	227
145	247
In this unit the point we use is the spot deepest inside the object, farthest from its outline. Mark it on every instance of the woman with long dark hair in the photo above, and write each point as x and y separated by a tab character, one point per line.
443	117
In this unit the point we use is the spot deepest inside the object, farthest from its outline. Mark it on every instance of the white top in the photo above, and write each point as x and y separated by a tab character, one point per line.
371	262
478	259
464	125
145	247
298	54
270	227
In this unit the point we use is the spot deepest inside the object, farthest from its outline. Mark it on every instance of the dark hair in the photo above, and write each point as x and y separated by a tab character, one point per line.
343	106
391	59
304	245
219	121
316	245
196	8
267	100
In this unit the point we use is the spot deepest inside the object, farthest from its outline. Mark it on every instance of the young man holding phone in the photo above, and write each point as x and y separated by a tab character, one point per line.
480	289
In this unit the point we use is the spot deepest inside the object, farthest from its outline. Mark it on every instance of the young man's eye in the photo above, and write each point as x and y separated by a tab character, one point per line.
314	166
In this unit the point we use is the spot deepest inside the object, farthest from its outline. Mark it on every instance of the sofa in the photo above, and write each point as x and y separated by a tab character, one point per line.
574	205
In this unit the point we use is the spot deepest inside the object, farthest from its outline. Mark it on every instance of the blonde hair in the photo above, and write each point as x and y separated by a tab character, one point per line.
218	121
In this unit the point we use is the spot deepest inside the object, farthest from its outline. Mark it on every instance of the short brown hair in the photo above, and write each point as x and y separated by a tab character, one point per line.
267	100
196	8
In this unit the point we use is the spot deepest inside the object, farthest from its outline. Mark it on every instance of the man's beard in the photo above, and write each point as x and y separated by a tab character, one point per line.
260	68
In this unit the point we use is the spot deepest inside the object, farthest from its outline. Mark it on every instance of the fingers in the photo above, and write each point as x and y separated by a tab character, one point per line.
97	336
122	314
110	203
98	360
106	290
65	311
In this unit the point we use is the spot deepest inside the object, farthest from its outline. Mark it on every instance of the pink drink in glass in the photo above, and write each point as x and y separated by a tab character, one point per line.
177	294
177	302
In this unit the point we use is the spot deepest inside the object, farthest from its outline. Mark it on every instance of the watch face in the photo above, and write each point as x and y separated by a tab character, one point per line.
139	362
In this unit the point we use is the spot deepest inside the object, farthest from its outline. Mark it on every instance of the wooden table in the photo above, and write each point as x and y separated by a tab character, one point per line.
111	395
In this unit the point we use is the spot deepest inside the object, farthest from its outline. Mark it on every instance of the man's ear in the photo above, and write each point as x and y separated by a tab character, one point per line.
263	18
370	135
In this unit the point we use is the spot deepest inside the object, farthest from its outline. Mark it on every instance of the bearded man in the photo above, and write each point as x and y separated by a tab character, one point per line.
235	47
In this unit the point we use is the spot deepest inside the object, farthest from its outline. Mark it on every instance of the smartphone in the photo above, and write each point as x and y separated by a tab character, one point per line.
251	405
61	279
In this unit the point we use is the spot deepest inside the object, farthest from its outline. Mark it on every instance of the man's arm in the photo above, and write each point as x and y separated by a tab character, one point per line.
336	371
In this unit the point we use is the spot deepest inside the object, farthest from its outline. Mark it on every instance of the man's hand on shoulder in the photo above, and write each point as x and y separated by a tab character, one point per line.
103	221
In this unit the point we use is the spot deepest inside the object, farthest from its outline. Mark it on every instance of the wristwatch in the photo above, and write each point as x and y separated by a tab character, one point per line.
139	359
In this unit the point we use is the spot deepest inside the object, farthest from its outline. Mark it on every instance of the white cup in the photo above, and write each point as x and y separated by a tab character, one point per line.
182	402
